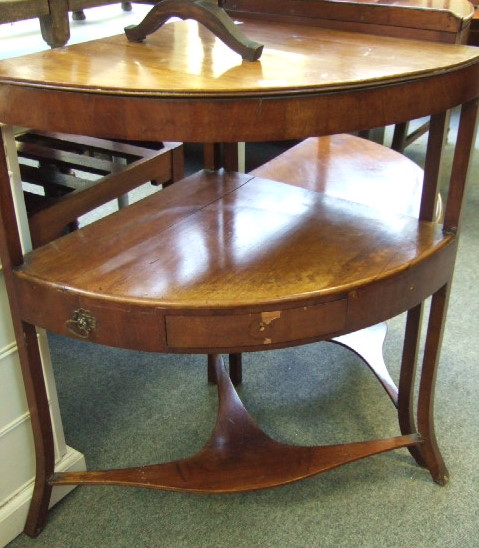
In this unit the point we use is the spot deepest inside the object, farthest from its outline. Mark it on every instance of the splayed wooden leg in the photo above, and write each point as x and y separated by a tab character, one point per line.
425	413
42	431
407	422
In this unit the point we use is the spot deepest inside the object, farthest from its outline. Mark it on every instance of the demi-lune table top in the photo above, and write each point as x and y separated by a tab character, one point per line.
191	71
185	59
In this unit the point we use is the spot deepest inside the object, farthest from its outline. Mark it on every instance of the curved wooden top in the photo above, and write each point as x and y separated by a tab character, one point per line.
183	59
184	85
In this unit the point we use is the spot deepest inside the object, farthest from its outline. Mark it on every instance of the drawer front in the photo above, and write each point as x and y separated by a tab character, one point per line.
255	329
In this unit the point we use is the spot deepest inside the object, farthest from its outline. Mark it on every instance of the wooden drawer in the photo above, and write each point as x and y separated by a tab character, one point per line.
255	329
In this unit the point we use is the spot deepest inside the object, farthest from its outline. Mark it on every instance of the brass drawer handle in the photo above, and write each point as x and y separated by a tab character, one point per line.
82	323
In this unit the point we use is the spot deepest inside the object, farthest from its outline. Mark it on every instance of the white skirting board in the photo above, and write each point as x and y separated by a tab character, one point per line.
14	512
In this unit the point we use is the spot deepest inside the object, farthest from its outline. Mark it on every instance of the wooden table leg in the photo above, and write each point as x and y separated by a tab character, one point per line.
30	361
406	416
425	414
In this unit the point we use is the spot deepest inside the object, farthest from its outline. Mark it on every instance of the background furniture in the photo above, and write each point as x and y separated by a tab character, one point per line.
52	14
55	164
444	21
473	38
79	15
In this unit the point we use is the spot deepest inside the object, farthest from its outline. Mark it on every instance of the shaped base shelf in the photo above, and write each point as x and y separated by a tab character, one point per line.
238	457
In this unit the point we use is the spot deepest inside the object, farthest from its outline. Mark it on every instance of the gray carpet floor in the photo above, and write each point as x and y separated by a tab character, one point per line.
125	408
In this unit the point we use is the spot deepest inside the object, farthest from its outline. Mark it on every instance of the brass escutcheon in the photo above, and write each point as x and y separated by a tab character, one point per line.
81	323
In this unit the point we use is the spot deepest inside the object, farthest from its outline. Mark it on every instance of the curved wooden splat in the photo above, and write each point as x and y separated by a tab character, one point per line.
239	456
208	14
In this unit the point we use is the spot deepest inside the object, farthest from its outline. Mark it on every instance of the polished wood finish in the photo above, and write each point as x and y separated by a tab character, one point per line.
257	93
223	262
293	287
353	169
247	458
440	21
357	170
181	74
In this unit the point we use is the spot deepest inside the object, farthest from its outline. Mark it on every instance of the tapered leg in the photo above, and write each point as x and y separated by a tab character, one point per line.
399	137
212	368
42	430
407	422
425	413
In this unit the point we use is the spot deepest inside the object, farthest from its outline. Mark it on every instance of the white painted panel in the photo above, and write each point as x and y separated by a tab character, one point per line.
14	513
6	328
13	402
16	459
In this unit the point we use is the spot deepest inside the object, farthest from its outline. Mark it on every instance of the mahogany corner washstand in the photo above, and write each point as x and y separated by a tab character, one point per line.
224	262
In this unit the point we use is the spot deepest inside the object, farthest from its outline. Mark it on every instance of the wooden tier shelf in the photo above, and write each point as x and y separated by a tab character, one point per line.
223	262
238	457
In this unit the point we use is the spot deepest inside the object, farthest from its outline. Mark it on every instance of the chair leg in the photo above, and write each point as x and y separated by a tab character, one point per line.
55	28
78	15
425	413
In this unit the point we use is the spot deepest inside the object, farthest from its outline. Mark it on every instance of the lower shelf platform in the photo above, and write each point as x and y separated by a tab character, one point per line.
238	457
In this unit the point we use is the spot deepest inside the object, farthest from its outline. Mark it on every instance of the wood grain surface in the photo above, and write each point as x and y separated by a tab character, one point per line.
183	58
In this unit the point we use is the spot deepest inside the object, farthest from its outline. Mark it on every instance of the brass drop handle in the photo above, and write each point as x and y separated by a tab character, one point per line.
82	323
